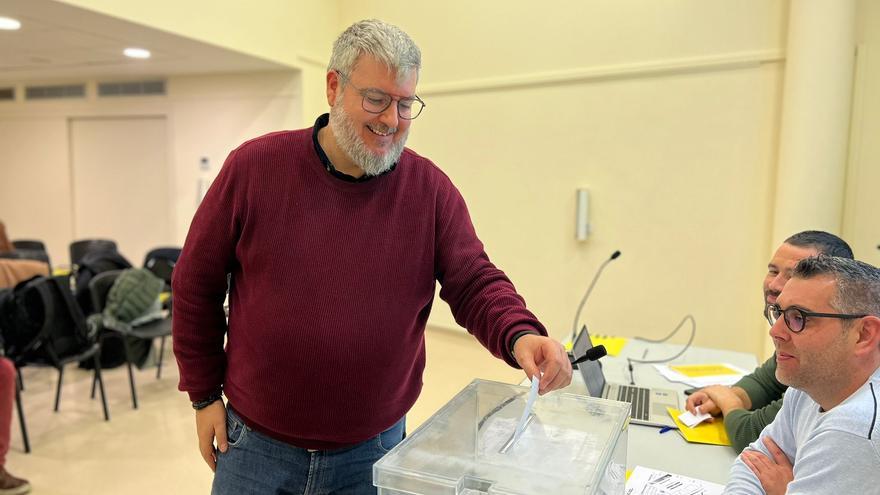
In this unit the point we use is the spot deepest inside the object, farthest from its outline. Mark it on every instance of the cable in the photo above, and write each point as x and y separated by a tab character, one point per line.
577	315
684	349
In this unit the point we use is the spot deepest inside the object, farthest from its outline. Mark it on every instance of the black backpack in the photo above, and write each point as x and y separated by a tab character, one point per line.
26	336
92	264
20	321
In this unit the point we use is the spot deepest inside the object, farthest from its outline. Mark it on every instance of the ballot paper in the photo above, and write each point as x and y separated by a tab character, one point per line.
527	412
647	481
691	419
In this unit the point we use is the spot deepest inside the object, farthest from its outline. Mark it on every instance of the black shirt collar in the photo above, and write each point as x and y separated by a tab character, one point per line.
320	123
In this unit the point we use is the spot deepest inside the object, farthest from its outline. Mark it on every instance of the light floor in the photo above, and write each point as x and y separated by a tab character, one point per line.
152	450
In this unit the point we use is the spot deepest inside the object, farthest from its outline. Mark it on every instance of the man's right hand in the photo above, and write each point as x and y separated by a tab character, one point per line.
211	425
701	399
719	400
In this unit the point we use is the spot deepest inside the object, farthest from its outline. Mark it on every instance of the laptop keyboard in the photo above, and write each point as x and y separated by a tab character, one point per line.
639	397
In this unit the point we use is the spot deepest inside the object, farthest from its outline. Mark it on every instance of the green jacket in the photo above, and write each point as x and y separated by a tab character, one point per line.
765	391
133	299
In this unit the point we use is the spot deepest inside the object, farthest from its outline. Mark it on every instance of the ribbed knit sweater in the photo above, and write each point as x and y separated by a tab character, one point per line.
332	284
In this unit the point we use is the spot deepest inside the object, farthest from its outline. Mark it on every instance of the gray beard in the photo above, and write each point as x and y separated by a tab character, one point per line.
345	131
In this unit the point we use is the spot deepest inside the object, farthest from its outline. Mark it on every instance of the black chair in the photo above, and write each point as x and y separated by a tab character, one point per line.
32	250
99	287
29	244
61	340
161	262
78	249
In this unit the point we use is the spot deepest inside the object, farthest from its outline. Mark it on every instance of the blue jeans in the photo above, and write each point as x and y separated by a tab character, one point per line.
255	463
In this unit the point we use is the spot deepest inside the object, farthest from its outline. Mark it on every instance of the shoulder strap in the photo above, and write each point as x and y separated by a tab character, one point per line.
45	295
73	309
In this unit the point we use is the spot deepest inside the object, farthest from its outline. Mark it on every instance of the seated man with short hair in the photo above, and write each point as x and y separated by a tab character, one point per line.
826	437
751	404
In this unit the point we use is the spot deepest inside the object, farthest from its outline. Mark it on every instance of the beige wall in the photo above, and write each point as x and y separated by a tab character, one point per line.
666	112
207	116
35	192
860	223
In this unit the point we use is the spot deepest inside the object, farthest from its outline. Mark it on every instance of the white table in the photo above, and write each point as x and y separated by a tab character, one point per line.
668	451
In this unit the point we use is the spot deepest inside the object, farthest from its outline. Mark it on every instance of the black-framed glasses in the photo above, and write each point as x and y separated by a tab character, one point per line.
376	101
796	318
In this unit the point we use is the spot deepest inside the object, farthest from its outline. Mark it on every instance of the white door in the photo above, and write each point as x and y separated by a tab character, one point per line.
121	181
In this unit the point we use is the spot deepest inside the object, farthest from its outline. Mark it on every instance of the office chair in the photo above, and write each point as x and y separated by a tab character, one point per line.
32	250
161	262
29	244
63	338
78	249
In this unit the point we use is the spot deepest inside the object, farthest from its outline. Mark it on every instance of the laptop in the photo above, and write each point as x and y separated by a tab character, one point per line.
648	404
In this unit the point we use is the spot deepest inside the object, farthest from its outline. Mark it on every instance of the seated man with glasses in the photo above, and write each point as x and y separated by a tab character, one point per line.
826	437
751	404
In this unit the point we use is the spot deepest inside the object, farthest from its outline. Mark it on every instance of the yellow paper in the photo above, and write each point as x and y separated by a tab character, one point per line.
711	433
612	344
698	370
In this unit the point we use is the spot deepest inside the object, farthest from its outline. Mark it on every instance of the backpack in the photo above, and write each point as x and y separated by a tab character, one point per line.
19	324
92	264
26	336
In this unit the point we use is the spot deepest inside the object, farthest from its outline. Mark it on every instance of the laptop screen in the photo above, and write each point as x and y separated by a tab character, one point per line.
591	371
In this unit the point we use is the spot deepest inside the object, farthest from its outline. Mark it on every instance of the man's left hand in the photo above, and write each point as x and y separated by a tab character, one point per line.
774	474
537	354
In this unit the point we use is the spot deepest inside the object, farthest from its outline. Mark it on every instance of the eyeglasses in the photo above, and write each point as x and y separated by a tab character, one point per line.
375	101
796	318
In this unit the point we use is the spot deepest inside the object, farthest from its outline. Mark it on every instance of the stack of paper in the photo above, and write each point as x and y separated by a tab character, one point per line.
701	375
646	481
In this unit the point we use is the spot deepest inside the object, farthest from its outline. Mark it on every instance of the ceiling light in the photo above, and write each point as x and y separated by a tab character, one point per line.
136	53
9	24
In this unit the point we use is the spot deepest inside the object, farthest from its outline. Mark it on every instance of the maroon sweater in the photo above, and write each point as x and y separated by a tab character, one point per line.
332	284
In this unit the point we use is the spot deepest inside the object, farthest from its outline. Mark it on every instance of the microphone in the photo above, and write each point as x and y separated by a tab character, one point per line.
591	354
614	256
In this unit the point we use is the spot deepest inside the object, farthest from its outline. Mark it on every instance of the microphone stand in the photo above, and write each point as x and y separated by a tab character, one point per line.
577	315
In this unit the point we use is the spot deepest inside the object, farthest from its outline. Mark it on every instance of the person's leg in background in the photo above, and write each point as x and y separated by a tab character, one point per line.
9	484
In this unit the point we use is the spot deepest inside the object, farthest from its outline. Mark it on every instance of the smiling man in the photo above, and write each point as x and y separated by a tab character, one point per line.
826	437
333	239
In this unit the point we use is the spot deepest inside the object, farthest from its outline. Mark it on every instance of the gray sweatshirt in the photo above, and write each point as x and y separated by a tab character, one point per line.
836	451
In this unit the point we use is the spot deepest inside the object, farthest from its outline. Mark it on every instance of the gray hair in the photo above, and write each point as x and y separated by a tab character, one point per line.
858	283
386	42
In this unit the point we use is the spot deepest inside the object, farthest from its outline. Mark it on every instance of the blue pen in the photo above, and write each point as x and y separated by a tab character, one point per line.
665	429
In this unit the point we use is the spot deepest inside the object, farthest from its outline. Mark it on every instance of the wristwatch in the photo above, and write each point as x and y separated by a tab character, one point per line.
198	405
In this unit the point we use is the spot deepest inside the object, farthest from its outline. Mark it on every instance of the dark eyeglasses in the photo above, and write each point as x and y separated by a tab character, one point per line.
375	101
796	318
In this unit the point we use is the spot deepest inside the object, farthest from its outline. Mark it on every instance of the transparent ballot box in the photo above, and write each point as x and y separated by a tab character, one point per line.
572	444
